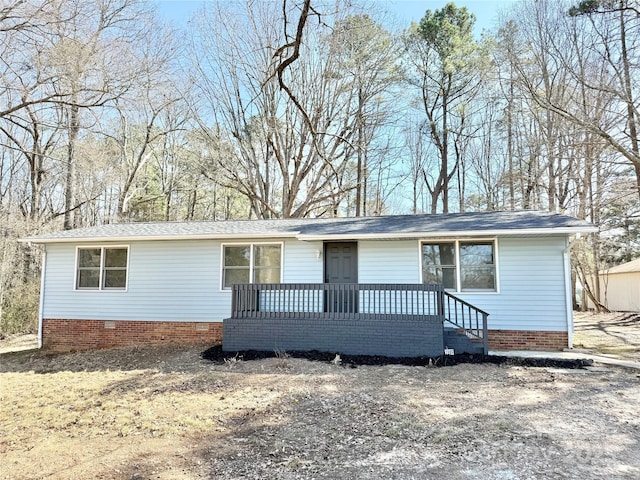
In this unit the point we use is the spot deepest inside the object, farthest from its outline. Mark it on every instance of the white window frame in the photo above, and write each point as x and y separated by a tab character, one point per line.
101	287
251	246
457	242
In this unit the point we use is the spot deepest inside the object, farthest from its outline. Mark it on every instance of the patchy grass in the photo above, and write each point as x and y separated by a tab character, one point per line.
164	413
18	342
616	334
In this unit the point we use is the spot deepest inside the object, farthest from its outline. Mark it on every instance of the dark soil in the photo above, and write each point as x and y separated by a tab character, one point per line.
218	356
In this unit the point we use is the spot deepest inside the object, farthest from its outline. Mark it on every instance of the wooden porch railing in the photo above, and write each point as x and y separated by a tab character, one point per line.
357	300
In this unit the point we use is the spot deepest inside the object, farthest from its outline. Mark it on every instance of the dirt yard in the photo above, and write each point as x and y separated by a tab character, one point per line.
165	413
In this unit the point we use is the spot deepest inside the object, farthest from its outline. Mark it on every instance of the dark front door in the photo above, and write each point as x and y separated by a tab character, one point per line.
341	267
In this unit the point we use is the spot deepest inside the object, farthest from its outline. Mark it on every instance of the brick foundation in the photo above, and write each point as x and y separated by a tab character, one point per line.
67	335
527	340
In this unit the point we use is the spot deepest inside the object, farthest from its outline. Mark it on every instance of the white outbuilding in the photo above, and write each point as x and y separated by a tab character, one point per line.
620	287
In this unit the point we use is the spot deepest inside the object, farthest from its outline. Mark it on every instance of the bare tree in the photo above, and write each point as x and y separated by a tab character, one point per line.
288	160
570	72
366	55
24	37
91	56
417	148
617	32
150	110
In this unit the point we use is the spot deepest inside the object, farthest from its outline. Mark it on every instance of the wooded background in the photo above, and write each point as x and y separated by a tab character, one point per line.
309	108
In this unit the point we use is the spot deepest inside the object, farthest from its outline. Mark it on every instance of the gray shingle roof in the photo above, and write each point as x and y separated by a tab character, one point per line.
394	226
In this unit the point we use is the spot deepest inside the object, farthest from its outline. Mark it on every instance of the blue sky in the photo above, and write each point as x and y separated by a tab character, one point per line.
179	11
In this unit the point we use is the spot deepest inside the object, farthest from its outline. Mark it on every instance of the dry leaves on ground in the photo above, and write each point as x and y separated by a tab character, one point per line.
165	413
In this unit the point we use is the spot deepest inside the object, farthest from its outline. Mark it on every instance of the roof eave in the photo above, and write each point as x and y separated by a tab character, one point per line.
147	238
316	237
453	233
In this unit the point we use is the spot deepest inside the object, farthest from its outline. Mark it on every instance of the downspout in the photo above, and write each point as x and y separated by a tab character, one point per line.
41	307
566	260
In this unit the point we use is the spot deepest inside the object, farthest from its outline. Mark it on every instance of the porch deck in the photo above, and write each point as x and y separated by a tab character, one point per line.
399	320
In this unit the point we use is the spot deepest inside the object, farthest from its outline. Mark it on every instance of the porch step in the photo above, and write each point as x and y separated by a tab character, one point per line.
462	331
458	340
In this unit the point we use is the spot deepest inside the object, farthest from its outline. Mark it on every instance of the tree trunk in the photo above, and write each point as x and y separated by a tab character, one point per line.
512	196
359	176
69	197
633	121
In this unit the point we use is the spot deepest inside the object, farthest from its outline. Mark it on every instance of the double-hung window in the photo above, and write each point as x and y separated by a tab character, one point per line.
102	268
460	265
251	263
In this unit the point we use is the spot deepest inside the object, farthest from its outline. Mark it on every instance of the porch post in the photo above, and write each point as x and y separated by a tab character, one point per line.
234	303
485	334
440	301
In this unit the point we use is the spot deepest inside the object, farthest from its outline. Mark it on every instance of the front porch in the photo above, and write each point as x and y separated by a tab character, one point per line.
395	320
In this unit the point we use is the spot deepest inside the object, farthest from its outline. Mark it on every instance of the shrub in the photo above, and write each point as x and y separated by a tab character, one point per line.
20	308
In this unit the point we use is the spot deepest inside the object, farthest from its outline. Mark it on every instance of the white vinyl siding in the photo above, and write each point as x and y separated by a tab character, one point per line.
530	270
167	281
388	261
303	262
180	280
532	290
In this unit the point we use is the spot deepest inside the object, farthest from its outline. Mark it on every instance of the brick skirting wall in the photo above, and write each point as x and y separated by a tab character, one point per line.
527	340
393	338
74	335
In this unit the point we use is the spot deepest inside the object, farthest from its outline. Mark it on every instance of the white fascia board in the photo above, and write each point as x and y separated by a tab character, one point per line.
145	238
452	234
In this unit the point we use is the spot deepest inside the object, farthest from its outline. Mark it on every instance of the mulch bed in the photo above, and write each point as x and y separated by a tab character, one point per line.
217	355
